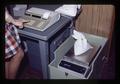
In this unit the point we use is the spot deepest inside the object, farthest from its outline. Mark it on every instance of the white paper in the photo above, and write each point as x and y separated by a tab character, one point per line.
70	10
81	45
46	15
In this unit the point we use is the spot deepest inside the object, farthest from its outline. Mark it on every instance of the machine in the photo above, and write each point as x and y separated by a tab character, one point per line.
40	19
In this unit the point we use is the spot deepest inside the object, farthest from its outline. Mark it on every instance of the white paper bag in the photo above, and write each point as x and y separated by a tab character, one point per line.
70	10
81	45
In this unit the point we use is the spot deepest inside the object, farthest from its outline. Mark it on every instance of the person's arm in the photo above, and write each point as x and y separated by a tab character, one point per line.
10	19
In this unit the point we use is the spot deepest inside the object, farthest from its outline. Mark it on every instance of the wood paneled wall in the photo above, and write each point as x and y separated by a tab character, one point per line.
96	19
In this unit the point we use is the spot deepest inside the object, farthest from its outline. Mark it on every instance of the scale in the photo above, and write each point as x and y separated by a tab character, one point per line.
81	64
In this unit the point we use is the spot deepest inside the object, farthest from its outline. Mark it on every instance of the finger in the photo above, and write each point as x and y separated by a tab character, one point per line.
20	26
26	21
23	20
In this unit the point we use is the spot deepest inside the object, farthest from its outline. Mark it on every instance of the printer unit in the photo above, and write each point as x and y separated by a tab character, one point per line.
40	19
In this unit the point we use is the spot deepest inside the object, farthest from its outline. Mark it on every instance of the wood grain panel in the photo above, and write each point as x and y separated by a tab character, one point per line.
96	19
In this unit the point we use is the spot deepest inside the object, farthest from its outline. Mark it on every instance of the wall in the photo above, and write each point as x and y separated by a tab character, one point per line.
96	19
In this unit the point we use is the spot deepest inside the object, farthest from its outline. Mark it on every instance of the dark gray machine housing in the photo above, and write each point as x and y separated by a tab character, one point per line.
40	45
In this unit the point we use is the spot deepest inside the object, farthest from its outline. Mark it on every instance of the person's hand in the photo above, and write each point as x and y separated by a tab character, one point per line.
20	23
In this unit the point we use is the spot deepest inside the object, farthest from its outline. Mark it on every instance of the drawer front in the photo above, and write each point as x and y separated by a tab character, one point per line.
99	62
56	73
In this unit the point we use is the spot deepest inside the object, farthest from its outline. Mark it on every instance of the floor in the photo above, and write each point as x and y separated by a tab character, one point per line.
26	72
